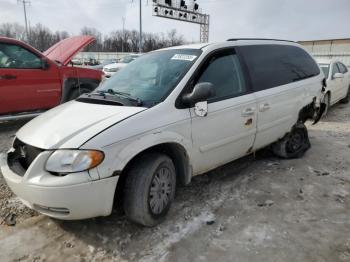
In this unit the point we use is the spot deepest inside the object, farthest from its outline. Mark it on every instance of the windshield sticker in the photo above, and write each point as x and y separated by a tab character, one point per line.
184	57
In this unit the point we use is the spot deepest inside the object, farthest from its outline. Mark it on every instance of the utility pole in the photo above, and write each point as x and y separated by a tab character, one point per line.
140	40
25	2
123	38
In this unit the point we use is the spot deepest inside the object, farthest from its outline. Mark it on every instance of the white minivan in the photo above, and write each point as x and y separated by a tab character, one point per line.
170	115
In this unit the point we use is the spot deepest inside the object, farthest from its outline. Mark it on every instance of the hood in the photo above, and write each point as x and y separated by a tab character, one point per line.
66	49
72	124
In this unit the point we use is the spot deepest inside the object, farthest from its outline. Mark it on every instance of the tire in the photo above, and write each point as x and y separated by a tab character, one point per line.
149	189
346	99
77	92
327	101
294	144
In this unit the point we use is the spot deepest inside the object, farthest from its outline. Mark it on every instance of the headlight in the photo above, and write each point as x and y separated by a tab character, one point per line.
71	161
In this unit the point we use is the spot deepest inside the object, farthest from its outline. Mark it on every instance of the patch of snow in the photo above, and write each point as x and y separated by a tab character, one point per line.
160	253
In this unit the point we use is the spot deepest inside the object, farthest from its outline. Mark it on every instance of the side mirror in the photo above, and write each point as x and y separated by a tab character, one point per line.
338	75
44	64
201	92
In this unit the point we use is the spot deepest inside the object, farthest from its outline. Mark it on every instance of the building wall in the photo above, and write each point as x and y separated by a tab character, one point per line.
336	48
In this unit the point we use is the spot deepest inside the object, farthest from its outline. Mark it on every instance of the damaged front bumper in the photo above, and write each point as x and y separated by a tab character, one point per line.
69	198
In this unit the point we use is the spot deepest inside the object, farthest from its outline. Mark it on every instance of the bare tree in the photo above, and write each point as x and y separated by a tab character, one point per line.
97	45
13	30
42	38
174	39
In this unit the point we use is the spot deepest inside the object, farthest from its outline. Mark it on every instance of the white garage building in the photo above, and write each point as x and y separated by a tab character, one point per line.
331	48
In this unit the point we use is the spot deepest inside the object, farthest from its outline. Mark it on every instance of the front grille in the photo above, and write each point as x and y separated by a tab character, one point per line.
21	158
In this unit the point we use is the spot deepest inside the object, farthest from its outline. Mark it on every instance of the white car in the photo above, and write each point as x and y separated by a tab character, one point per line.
338	82
170	115
113	68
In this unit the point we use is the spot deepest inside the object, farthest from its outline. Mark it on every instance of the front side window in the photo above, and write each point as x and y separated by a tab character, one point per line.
153	76
275	65
14	56
224	72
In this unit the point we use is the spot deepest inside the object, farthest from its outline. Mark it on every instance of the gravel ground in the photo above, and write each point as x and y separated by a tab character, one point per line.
254	209
11	208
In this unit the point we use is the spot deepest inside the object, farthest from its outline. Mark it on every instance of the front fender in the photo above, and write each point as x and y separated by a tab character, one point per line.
118	155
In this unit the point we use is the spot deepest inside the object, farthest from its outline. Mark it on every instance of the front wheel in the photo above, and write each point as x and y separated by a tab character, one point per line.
149	189
294	144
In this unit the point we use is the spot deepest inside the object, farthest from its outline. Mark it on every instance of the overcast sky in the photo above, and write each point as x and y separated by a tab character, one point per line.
287	19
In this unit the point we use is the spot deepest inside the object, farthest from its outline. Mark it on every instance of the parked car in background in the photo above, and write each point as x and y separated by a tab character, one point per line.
111	69
77	61
104	63
31	81
170	115
91	62
338	82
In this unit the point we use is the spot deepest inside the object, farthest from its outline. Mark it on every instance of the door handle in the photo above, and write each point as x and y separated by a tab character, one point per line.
248	112
8	77
264	107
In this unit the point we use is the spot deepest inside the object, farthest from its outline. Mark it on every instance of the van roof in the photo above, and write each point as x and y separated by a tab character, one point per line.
263	39
256	41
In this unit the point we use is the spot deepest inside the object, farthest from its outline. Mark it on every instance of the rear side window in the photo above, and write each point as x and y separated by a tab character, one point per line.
275	65
342	68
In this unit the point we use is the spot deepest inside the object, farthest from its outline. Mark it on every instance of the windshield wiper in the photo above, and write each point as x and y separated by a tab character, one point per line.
121	94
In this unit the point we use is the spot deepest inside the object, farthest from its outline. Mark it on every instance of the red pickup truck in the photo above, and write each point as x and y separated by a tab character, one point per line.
32	82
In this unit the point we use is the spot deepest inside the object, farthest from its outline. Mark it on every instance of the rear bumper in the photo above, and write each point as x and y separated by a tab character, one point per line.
68	202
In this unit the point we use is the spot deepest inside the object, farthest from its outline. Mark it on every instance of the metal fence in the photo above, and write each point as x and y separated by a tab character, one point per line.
100	56
334	48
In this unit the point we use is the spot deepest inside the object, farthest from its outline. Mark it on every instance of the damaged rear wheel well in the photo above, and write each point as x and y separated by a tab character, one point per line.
308	112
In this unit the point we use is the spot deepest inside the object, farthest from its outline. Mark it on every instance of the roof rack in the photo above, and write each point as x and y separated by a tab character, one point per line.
236	39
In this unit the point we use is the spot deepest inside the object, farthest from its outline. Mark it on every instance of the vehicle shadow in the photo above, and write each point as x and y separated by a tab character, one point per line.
13	125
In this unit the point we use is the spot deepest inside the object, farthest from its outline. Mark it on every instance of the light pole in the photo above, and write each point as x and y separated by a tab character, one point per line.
123	38
25	2
140	38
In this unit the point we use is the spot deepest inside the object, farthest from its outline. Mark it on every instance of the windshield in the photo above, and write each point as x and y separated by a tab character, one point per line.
325	69
153	76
